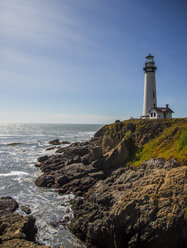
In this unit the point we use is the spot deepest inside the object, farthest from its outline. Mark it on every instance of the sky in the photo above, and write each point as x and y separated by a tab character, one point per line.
81	61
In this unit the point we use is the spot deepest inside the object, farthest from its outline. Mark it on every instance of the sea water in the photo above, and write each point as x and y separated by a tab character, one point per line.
20	146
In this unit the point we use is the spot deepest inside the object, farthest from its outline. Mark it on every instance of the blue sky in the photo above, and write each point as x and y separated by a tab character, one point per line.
80	61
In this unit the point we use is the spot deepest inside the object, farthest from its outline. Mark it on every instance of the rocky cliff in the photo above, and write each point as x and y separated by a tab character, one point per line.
130	183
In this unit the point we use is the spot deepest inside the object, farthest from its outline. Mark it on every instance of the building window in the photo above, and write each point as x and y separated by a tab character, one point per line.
153	95
151	114
154	114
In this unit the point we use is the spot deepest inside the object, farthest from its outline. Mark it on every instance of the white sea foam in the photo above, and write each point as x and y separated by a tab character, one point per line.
14	173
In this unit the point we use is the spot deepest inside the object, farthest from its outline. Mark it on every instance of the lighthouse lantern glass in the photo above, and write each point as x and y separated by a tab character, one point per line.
150	60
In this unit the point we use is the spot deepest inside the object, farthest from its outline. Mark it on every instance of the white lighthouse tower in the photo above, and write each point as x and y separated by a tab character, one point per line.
150	98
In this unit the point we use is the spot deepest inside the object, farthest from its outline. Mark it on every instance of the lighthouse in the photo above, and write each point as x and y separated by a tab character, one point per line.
150	98
150	109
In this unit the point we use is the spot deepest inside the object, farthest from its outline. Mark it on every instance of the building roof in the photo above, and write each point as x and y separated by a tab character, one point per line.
162	109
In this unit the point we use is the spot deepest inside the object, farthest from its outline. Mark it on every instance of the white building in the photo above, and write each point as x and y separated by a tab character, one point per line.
150	109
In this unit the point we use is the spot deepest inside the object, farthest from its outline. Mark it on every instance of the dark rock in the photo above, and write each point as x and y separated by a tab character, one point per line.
61	150
37	165
85	159
43	158
55	142
65	142
62	180
76	159
14	144
25	209
41	181
50	148
81	151
7	205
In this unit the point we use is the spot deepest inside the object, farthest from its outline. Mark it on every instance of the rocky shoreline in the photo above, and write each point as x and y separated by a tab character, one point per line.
122	199
118	204
16	230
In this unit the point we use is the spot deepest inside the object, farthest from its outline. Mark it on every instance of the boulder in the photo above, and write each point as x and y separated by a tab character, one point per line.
25	209
7	205
55	142
43	158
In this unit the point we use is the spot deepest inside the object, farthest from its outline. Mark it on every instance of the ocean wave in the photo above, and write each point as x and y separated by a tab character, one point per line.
14	173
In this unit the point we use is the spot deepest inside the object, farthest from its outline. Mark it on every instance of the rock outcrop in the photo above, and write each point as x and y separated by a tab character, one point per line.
130	182
16	230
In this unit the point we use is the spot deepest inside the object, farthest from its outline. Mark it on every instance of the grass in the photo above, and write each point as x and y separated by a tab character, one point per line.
171	143
166	138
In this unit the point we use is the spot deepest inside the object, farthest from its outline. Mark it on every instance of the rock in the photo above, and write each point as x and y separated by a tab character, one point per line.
97	175
37	165
55	142
50	148
81	151
25	209
61	150
119	155
62	180
41	181
85	159
138	208
7	205
14	144
16	230
76	159
65	142
117	121
95	153
43	158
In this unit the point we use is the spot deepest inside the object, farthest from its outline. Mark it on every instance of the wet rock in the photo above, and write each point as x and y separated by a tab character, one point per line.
7	205
37	165
43	158
16	230
25	209
45	181
65	142
14	144
55	142
50	148
41	181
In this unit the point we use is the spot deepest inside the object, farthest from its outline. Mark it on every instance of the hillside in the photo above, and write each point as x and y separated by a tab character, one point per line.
148	139
130	183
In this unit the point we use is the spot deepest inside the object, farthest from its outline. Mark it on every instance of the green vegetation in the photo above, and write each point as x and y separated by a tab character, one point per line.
152	139
171	143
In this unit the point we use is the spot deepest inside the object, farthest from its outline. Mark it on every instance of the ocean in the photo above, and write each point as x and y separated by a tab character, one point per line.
20	146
